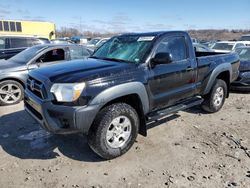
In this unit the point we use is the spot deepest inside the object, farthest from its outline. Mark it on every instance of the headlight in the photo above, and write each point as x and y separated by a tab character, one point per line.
67	92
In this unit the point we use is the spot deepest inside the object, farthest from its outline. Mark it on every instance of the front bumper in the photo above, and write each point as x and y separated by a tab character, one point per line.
60	119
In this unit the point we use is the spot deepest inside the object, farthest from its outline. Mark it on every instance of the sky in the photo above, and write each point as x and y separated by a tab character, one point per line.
132	15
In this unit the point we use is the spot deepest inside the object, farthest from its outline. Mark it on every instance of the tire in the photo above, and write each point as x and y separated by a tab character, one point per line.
11	92
214	101
104	139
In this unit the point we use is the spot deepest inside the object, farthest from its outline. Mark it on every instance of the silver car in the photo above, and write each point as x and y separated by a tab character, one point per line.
14	71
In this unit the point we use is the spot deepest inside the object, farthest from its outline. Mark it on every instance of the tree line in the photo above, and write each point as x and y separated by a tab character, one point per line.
205	34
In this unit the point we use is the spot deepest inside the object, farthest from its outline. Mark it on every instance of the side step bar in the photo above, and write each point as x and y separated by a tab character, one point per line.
153	116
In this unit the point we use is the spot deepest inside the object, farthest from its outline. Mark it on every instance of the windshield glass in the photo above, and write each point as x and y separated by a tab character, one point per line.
94	41
244	54
131	49
223	46
245	38
26	55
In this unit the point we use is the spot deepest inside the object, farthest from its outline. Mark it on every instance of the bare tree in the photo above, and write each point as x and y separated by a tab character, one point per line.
206	34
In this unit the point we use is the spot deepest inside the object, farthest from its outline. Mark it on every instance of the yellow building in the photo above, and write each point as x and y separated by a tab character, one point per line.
28	28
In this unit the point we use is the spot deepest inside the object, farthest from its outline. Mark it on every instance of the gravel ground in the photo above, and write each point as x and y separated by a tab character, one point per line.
187	149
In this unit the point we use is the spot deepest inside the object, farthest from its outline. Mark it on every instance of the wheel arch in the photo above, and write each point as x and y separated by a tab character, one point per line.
222	71
133	94
13	79
134	101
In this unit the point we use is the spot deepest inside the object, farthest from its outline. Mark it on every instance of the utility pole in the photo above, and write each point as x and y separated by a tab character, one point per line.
80	24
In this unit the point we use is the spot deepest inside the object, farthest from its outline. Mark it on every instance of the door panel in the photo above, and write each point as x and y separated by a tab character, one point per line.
48	57
172	82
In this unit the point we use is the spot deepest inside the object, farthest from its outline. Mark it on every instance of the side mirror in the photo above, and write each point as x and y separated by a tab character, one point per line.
162	58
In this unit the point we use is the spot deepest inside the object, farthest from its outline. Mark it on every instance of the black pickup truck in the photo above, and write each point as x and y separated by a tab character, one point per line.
129	81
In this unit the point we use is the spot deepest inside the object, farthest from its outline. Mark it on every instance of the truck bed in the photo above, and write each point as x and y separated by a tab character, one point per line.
201	54
218	58
208	61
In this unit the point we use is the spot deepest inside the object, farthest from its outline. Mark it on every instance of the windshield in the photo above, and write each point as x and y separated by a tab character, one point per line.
26	55
223	46
244	54
244	38
131	49
93	41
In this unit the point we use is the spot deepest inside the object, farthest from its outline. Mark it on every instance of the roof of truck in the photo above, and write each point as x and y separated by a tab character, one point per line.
157	33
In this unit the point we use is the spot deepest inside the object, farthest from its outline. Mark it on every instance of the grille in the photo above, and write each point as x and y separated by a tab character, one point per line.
36	87
37	114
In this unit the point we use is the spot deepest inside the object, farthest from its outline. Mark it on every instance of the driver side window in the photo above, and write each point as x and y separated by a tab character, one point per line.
52	55
176	46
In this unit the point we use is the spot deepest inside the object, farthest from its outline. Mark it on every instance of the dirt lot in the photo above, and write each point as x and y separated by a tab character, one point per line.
188	149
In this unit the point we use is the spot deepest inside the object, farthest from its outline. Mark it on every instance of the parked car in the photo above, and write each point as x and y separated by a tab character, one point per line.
76	39
93	42
61	41
130	80
201	48
243	81
228	46
96	43
245	38
101	42
210	43
14	71
12	45
44	40
194	40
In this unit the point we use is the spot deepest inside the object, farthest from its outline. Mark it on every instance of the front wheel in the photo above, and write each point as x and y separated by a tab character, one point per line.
214	101
11	92
114	130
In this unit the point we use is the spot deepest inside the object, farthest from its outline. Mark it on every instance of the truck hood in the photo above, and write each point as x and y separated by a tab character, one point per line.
81	70
244	66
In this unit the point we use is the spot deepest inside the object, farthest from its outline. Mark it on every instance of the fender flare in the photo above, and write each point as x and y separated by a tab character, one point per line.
215	73
122	90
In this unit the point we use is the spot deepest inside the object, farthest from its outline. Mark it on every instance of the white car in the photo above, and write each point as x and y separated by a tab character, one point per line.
228	46
96	42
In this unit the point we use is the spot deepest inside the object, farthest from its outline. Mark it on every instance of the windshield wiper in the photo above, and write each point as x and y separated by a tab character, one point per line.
95	57
116	60
111	59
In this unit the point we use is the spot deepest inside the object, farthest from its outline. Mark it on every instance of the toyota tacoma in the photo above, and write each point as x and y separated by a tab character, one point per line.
131	80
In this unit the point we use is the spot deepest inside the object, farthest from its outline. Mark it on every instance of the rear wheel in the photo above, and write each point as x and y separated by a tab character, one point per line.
114	130
214	101
11	92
